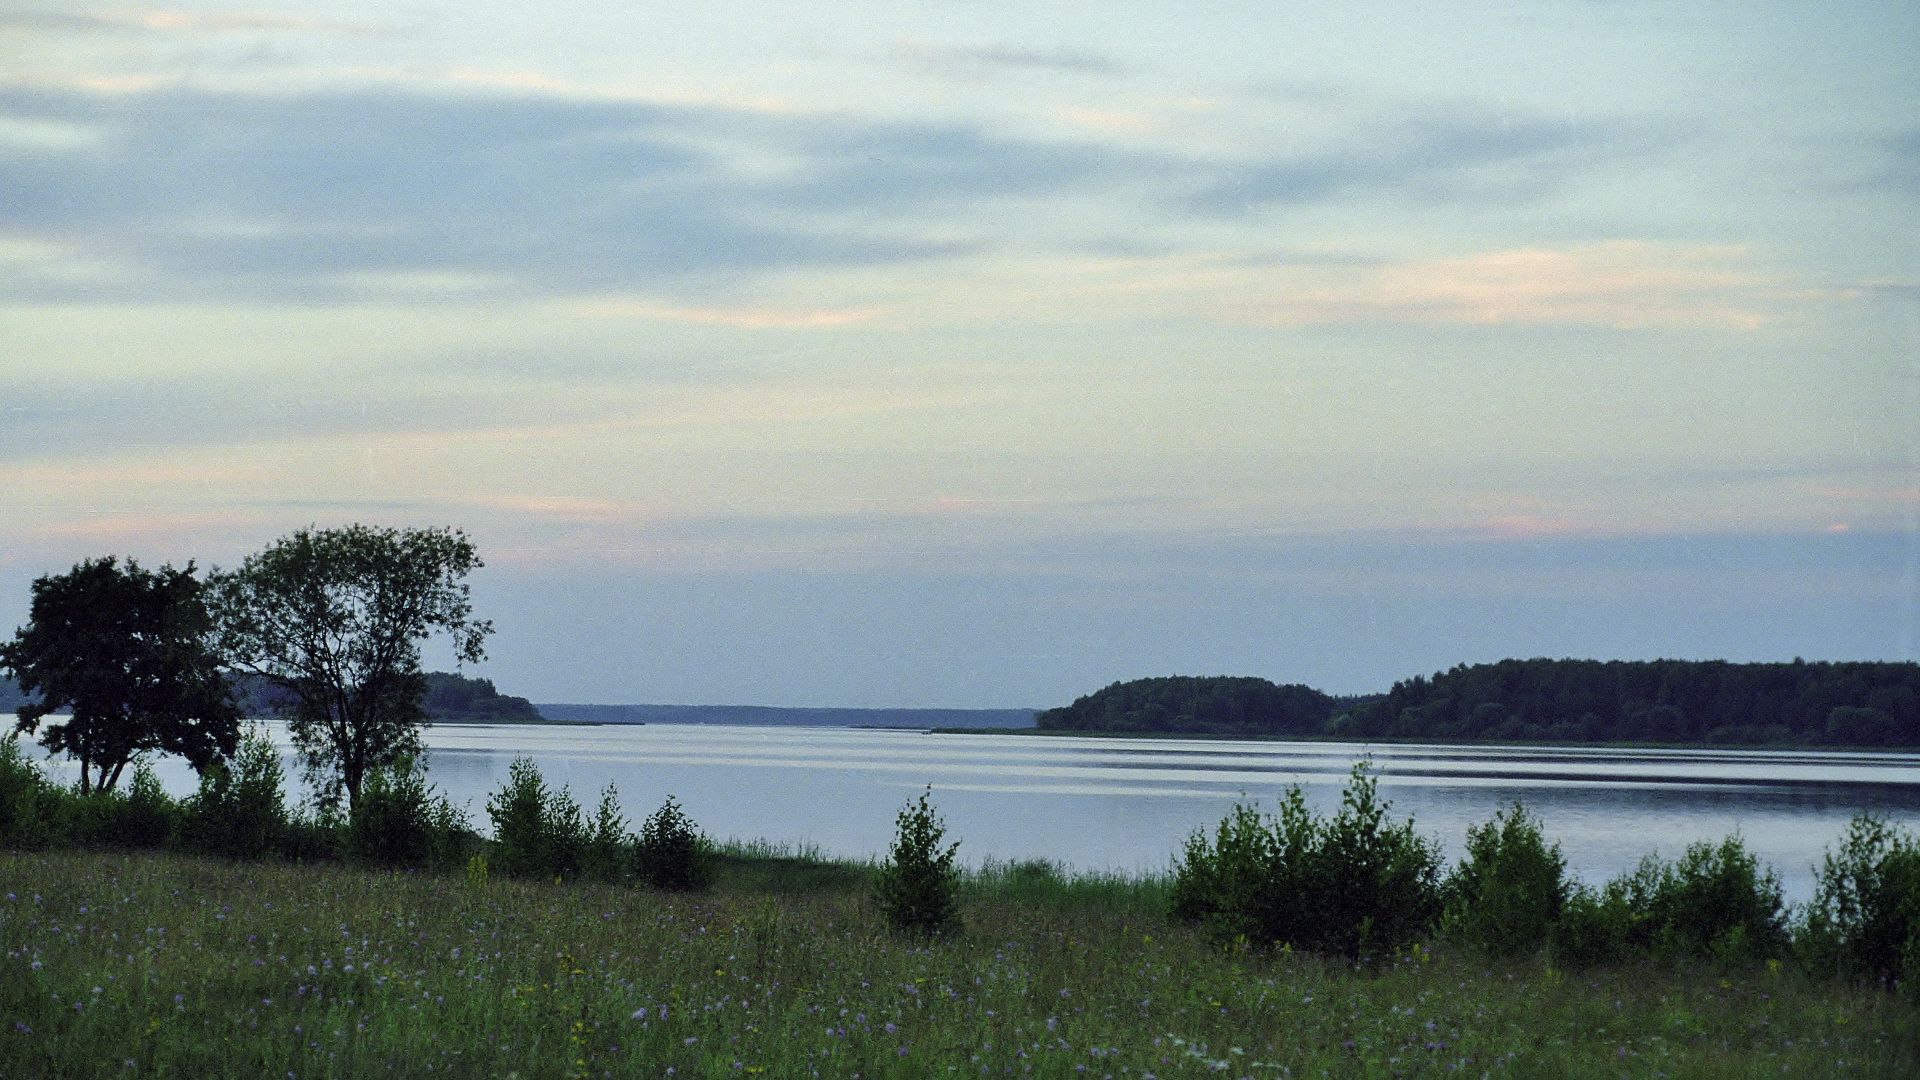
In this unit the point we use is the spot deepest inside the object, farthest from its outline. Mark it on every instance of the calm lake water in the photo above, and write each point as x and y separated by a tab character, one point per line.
1126	804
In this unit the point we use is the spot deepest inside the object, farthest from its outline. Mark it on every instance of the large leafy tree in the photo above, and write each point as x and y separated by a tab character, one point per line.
335	618
130	654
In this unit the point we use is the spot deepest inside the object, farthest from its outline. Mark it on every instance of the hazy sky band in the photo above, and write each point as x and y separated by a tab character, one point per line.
976	356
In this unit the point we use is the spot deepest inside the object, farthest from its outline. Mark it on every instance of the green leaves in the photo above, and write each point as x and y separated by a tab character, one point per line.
130	653
916	886
335	617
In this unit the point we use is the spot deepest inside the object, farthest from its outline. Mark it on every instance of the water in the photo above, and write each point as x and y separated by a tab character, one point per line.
1126	804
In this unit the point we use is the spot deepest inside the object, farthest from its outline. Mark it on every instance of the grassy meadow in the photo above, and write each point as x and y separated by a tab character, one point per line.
151	964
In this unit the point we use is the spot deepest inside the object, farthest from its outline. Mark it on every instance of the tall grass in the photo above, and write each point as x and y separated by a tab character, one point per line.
187	966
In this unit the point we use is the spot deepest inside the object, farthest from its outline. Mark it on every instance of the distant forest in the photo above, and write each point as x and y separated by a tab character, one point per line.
1216	705
450	699
1668	701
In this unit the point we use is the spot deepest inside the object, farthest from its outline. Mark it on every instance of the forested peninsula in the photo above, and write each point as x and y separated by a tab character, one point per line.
449	699
1867	704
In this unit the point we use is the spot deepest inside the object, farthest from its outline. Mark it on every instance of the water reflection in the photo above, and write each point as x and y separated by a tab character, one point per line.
1126	804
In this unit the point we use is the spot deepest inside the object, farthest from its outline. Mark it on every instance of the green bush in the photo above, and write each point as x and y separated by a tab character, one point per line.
1864	919
670	852
917	884
239	810
1714	901
1597	926
1511	887
144	816
537	832
1354	884
317	835
1252	881
26	799
398	821
1378	883
607	853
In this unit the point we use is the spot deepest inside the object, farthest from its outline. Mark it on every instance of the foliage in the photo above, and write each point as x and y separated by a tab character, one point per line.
129	652
606	853
1714	901
1597	926
1222	705
452	698
398	821
1354	885
25	798
334	618
1864	919
239	810
537	831
671	852
1718	900
1511	887
145	817
1682	701
917	884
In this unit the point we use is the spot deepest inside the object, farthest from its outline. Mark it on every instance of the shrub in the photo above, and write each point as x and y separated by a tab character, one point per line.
1511	887
670	852
606	853
1354	884
1713	901
239	810
1597	926
1864	918
1251	882
314	835
146	816
916	885
1717	900
399	821
1378	884
26	798
537	832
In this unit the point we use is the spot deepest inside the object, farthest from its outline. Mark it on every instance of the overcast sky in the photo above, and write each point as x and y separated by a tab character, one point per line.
970	353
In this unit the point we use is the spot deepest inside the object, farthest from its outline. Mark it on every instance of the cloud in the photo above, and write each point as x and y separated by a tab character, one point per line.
169	21
329	196
1459	155
739	317
1619	284
976	62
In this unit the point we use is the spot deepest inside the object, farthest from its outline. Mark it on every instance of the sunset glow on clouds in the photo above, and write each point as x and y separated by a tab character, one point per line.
1009	351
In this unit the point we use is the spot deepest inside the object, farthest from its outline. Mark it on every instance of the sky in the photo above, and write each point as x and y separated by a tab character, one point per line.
973	353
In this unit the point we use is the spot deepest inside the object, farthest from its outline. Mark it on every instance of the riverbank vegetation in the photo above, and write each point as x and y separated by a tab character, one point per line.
227	934
1683	702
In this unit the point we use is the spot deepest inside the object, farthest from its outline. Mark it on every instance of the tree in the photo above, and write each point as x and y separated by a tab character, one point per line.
335	618
130	653
917	884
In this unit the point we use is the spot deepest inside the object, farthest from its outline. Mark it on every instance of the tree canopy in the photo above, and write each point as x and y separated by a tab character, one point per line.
128	652
335	618
1213	705
1853	703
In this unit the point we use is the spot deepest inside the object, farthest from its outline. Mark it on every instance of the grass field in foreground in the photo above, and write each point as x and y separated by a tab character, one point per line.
162	965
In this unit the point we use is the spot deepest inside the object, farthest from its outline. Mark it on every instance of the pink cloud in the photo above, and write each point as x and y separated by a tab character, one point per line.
1624	284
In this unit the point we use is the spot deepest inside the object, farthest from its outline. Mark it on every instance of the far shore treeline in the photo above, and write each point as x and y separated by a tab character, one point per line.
449	699
1868	704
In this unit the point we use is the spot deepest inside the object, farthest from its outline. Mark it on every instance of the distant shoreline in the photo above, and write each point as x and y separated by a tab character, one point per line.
1542	744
